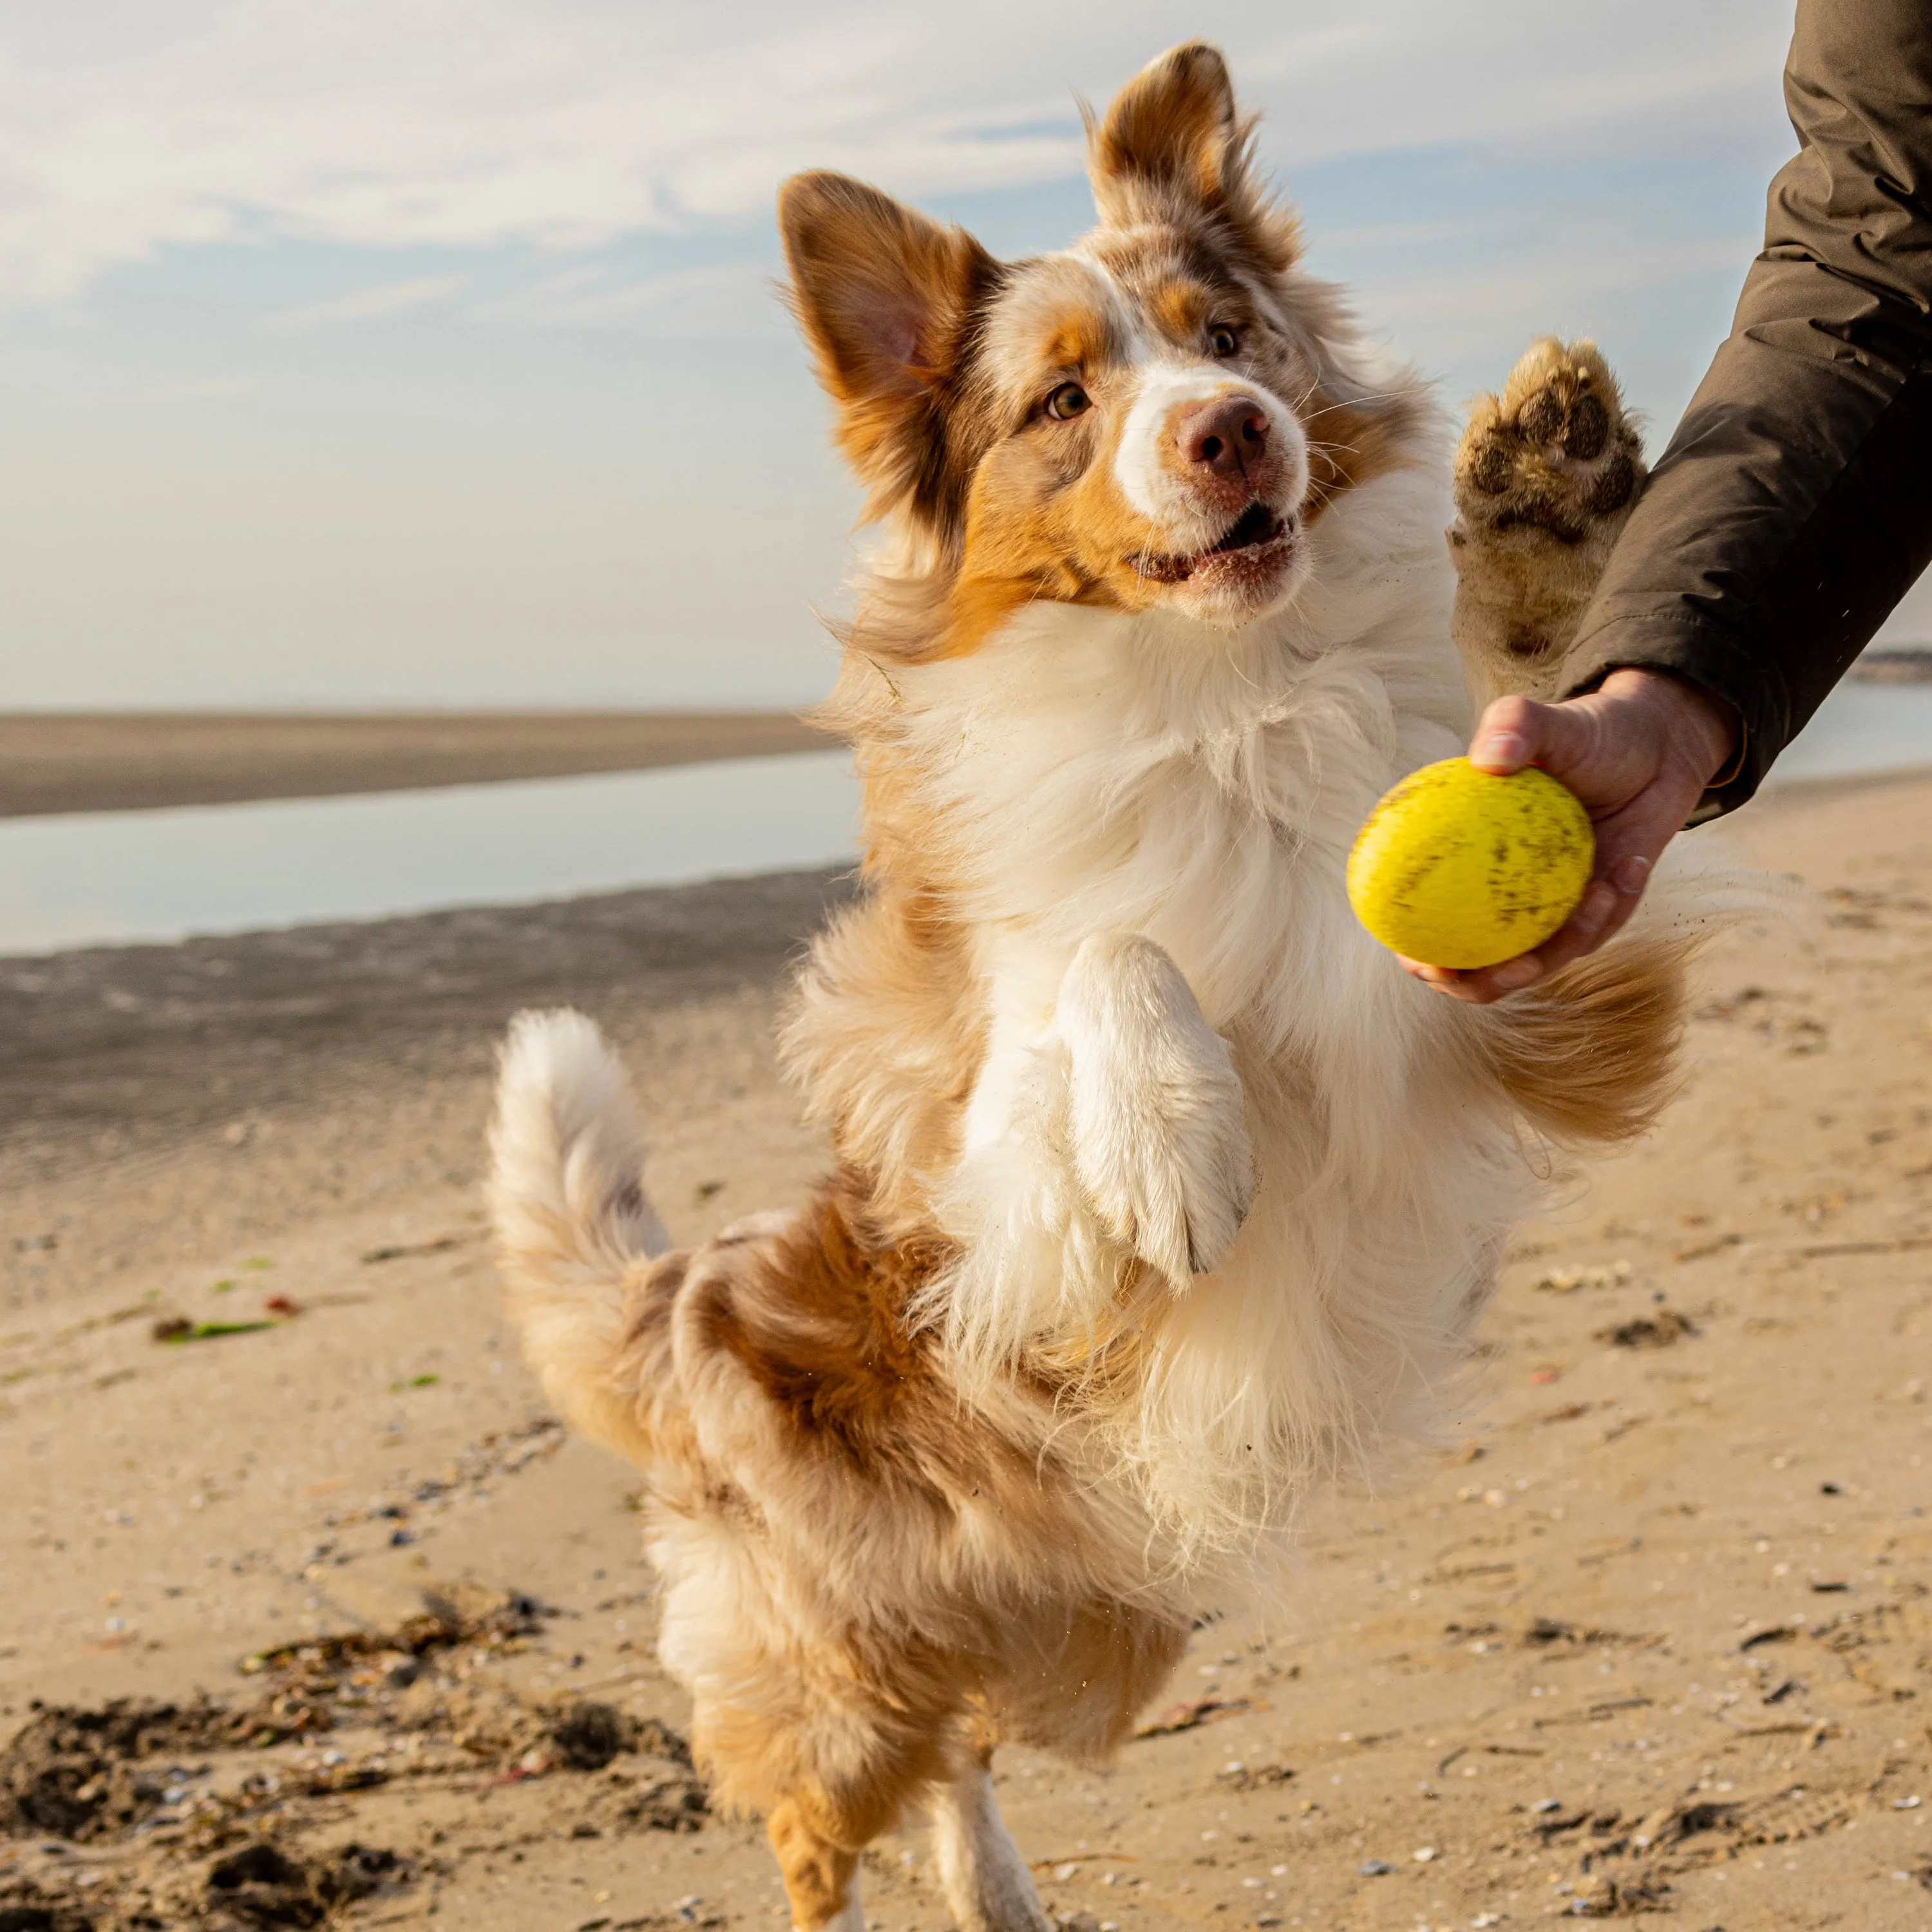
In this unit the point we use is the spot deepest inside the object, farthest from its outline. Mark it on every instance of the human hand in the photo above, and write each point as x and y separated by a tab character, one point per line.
1638	751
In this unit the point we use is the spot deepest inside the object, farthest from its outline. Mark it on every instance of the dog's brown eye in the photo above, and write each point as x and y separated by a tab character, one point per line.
1222	340
1069	401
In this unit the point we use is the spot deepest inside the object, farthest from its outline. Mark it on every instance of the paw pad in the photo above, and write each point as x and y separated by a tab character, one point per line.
1554	451
1588	429
1612	487
1491	466
1541	419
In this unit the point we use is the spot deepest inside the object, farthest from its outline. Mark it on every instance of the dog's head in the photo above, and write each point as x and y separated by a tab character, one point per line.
1152	419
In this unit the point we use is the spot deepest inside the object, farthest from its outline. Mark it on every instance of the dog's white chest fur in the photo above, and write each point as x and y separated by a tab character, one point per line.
1094	771
1148	823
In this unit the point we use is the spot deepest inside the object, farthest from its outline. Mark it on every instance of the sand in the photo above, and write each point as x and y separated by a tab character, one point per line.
52	761
1655	1636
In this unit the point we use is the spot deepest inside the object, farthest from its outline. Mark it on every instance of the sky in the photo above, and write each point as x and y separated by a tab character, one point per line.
404	351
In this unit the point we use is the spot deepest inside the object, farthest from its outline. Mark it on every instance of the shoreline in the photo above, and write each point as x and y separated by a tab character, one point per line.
58	763
1776	792
1777	797
61	762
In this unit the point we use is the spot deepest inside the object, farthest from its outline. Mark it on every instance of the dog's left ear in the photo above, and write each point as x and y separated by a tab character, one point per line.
885	298
1173	149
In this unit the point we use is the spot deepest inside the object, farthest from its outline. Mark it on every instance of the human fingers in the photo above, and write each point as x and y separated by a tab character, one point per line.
1604	907
1628	847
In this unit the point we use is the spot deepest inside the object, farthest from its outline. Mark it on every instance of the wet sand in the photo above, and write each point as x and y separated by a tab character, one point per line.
53	761
1655	1636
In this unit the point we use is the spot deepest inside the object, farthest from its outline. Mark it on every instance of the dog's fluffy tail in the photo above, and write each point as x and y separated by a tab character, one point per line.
567	1202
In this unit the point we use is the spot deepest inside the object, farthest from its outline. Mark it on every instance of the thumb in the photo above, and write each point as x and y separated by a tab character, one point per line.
1515	732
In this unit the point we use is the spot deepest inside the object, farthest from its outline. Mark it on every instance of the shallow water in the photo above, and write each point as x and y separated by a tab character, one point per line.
1863	727
94	877
101	877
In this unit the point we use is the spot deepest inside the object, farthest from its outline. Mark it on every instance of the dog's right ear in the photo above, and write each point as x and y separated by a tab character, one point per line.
885	297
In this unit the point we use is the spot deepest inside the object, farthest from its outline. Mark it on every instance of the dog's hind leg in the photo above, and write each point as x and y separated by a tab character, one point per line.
1546	476
986	1881
828	1783
827	1743
821	1876
1069	1680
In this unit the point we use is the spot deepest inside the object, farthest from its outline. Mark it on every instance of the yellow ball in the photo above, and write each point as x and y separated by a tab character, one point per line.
1459	867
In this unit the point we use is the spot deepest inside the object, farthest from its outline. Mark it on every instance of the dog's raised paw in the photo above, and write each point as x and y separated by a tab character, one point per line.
1555	452
1546	476
1160	1140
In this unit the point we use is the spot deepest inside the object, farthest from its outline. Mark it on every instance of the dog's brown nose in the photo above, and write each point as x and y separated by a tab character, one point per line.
1228	436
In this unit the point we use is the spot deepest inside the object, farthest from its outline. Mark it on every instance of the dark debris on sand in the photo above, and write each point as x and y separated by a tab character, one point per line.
180	1834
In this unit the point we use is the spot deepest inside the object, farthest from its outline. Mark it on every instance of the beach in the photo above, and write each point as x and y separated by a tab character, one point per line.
1652	1635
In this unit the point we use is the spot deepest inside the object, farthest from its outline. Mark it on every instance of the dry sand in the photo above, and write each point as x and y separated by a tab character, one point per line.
100	761
1656	1638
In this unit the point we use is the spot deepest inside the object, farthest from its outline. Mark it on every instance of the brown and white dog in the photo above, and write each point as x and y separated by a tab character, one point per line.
1162	1194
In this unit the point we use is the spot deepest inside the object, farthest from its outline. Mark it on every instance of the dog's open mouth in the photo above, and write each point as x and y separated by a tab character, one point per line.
1257	529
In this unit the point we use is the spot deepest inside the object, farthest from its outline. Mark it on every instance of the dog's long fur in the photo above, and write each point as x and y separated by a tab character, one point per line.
1163	1194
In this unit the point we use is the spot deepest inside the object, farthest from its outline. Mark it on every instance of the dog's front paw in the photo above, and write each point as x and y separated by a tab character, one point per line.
1160	1144
1545	476
1554	451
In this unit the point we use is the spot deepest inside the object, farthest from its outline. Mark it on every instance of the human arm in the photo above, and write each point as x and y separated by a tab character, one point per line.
1793	507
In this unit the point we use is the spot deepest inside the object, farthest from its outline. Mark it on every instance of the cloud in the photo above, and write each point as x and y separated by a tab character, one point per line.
130	126
211	389
386	298
723	300
1583	268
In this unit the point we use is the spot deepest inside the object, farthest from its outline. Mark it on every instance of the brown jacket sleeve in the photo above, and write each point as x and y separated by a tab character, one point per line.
1793	507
